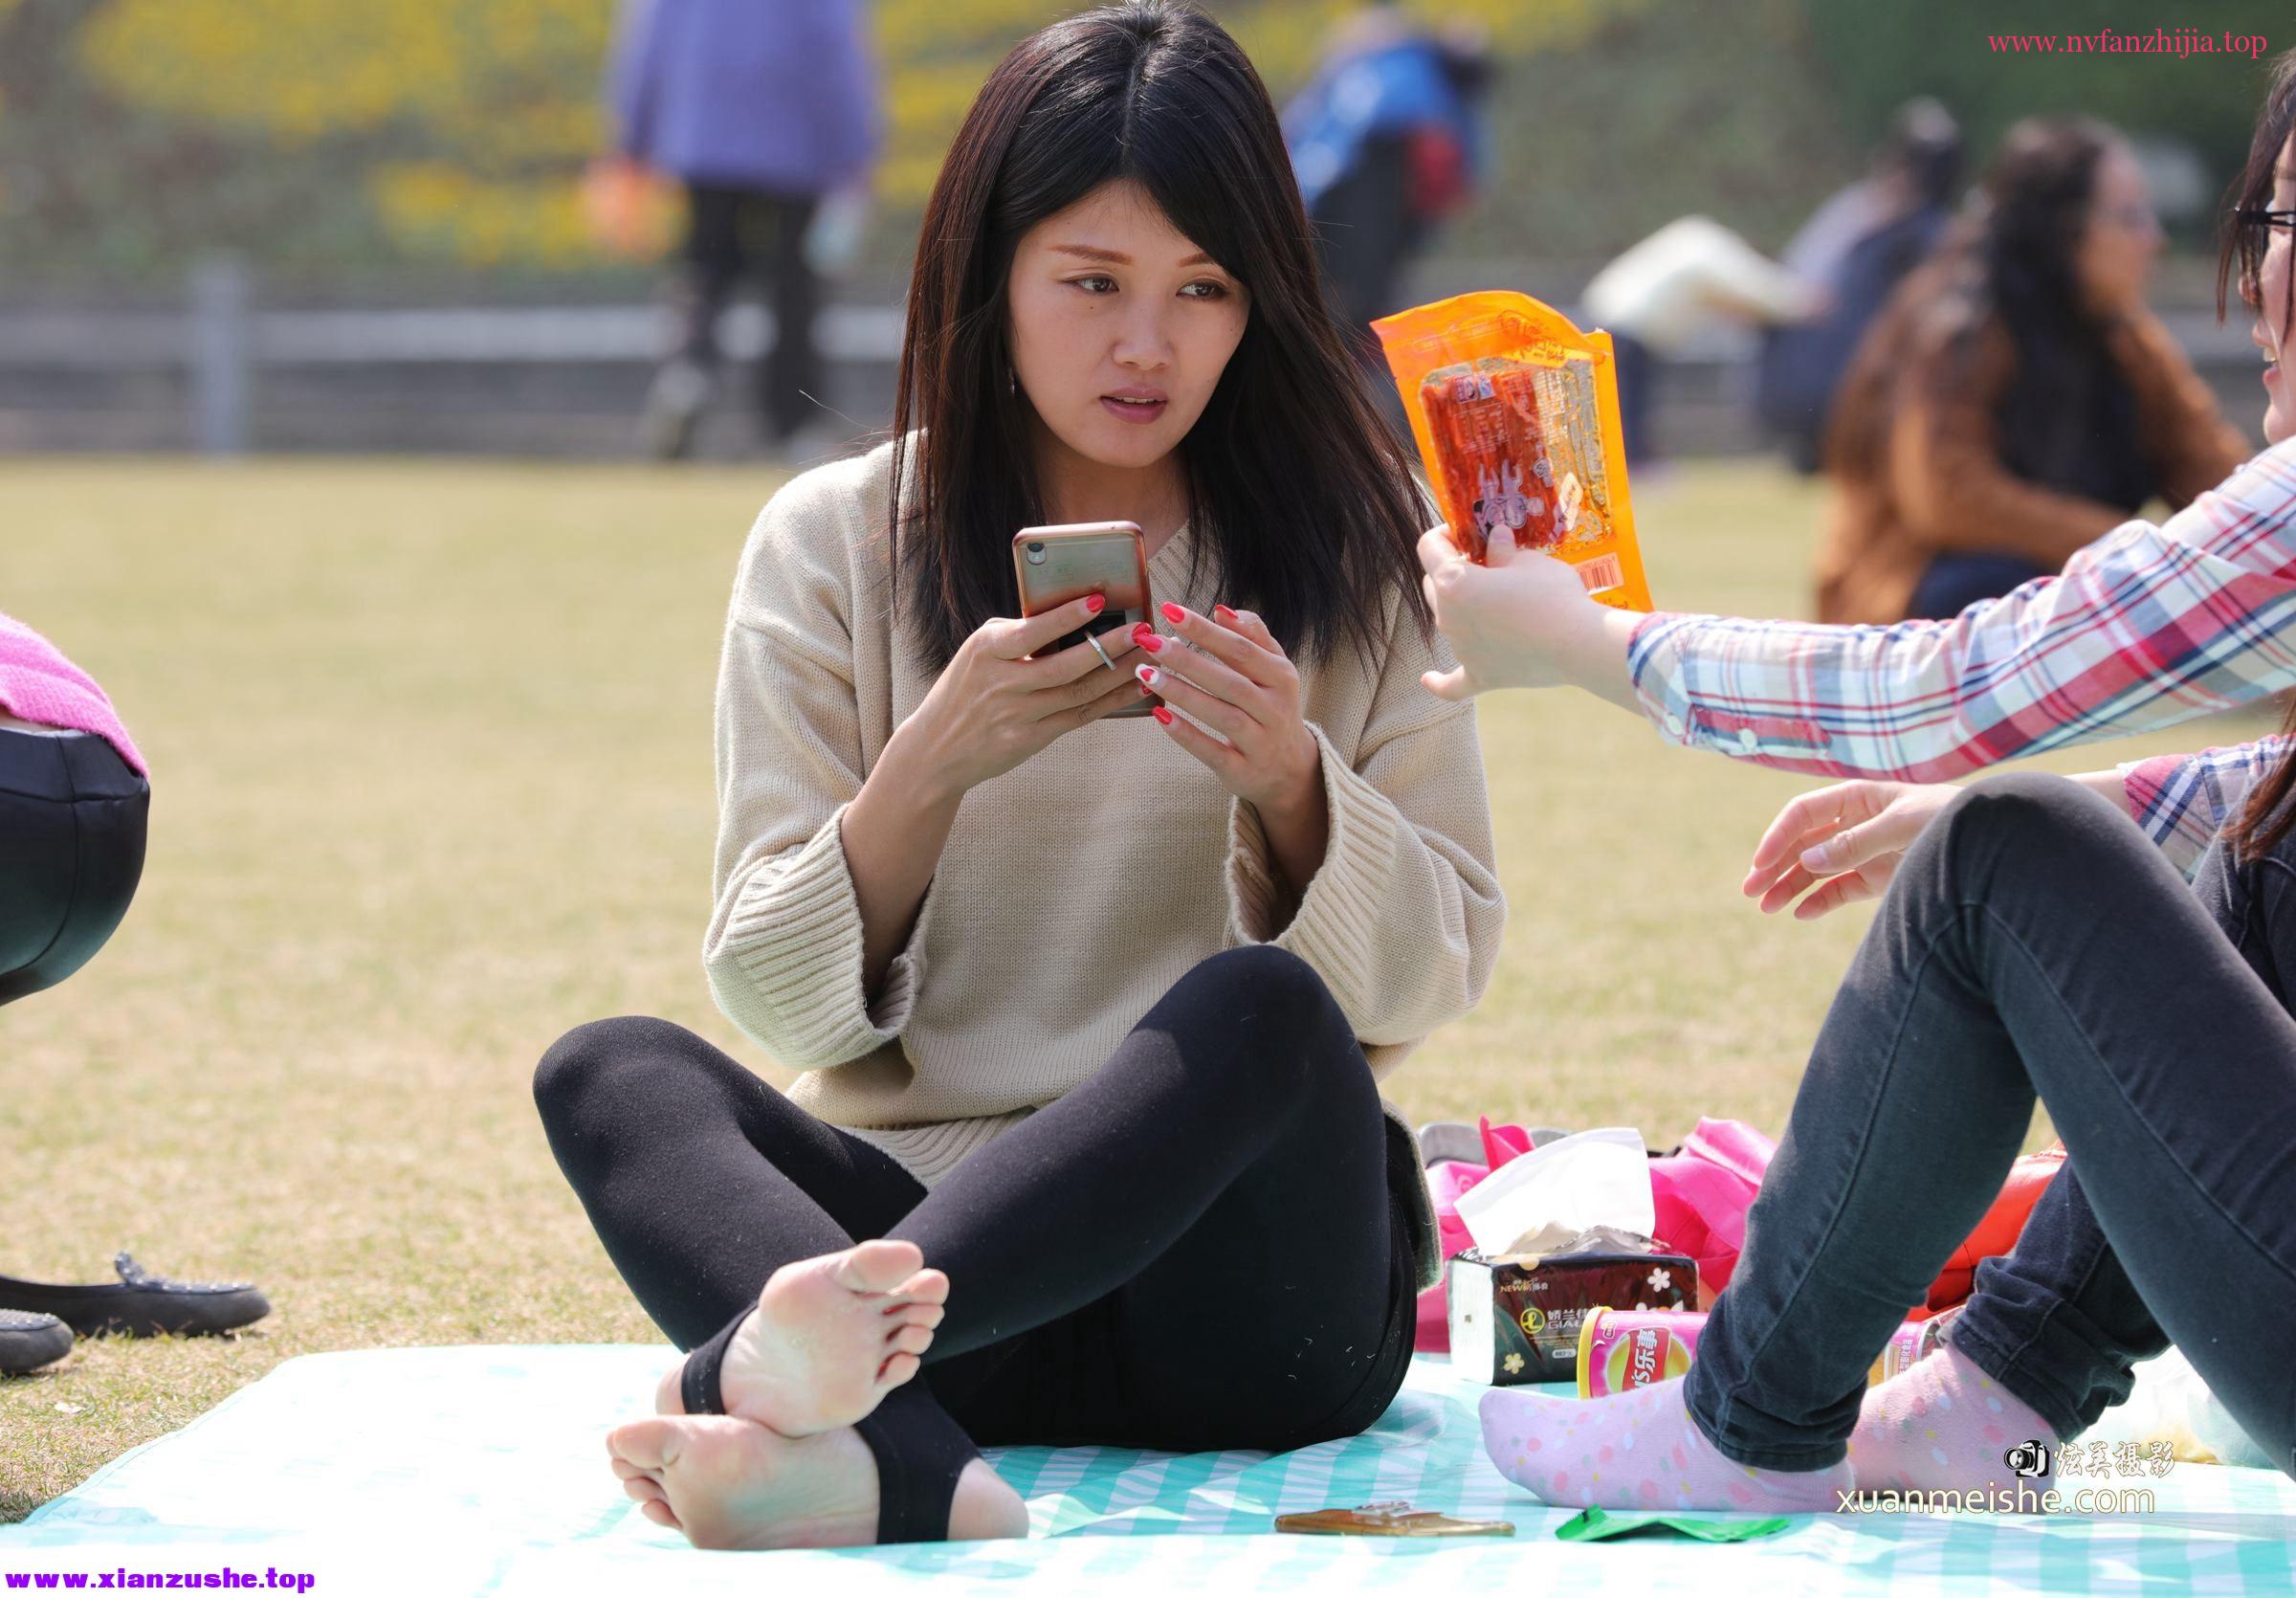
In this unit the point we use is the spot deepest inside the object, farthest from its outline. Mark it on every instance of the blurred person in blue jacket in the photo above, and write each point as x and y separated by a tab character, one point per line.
1386	143
1855	248
766	111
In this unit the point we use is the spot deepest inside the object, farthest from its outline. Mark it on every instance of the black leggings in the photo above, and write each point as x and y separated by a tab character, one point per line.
72	827
1202	1247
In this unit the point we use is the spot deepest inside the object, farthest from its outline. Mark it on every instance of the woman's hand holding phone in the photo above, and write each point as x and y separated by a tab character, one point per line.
994	707
1239	682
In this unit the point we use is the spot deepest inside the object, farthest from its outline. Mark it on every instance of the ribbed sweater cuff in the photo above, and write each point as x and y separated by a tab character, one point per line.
793	941
1337	927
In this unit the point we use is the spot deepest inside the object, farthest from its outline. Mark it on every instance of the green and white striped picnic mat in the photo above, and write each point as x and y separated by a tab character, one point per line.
482	1470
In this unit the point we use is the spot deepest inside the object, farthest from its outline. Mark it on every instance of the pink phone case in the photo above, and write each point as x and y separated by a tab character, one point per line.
1057	565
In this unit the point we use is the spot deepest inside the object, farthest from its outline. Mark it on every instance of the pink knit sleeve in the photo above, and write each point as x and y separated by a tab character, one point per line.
37	683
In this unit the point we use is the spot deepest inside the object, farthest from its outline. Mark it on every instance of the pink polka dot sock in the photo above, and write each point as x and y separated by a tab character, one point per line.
1943	1426
1638	1450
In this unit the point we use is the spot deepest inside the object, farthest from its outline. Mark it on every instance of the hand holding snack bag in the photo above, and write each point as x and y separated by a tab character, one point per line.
1516	415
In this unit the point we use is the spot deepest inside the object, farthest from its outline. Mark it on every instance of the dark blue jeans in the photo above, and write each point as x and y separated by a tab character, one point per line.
2033	946
1953	582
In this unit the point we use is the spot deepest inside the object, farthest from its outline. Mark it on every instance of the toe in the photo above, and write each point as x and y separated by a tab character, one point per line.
649	1445
879	1266
660	1513
910	1339
896	1371
925	1287
927	1315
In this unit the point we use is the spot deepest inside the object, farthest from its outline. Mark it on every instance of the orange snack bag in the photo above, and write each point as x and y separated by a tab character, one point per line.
1516	414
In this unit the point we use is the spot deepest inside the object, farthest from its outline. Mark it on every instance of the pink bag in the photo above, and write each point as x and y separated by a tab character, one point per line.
1446	1180
1700	1197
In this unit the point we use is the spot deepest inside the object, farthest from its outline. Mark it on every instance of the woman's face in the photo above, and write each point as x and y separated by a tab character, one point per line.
1120	326
2267	295
2123	237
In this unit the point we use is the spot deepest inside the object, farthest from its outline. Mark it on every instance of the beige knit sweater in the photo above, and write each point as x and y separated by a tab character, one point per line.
1075	889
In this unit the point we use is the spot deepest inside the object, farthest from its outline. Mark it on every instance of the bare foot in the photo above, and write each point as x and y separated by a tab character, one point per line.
732	1483
829	1337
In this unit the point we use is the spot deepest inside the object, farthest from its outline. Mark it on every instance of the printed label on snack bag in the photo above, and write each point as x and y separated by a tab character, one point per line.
1572	497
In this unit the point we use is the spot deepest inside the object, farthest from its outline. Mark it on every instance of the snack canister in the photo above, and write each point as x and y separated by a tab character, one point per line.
1909	1345
1620	1350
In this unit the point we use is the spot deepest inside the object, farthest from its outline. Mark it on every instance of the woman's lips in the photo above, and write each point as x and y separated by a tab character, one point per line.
1132	411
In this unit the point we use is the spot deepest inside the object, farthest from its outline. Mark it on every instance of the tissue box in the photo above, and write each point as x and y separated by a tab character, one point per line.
1514	1317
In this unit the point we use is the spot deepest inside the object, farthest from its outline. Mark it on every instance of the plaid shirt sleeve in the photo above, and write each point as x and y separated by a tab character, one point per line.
2182	801
2146	627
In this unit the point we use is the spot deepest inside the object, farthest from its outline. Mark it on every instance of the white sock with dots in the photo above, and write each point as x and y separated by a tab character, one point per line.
1638	1450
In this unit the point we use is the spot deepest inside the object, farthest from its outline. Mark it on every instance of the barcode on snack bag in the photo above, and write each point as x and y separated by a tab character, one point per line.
1602	572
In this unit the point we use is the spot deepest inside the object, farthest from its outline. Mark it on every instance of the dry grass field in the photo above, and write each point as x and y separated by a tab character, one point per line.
431	749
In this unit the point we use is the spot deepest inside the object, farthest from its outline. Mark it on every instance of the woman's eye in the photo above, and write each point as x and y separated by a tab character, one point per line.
1211	291
1095	285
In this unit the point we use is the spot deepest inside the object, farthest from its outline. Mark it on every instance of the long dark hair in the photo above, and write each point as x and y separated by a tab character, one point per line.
2268	816
2015	259
1298	487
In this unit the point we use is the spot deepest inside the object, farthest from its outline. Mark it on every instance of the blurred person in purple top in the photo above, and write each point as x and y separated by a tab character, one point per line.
763	110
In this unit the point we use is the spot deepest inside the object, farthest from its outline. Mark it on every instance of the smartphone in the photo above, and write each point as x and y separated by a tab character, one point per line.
1057	565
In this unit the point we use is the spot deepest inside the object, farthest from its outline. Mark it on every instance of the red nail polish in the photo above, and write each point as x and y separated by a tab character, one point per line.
1223	612
1146	673
1141	630
1162	715
1150	642
1173	613
1096	603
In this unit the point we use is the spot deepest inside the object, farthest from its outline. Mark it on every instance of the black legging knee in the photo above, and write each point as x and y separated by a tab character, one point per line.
1198	1246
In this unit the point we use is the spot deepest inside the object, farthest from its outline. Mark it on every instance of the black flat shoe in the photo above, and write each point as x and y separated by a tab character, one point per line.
138	1303
29	1342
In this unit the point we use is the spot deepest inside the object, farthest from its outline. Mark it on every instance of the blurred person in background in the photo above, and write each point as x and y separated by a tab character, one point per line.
1855	250
1386	143
73	802
767	114
2015	400
1687	283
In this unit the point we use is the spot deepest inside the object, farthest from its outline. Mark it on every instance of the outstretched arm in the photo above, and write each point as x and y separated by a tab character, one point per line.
2149	626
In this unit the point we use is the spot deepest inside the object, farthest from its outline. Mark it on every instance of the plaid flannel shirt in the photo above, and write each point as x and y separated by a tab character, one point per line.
2146	627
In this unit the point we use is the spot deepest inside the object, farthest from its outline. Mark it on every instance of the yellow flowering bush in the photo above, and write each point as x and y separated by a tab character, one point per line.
466	123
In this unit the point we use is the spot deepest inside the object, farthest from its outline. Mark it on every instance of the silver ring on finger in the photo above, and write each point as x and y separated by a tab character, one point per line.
1093	639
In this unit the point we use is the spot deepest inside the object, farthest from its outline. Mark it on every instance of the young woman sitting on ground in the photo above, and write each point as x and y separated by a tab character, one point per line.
1092	1009
2030	944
